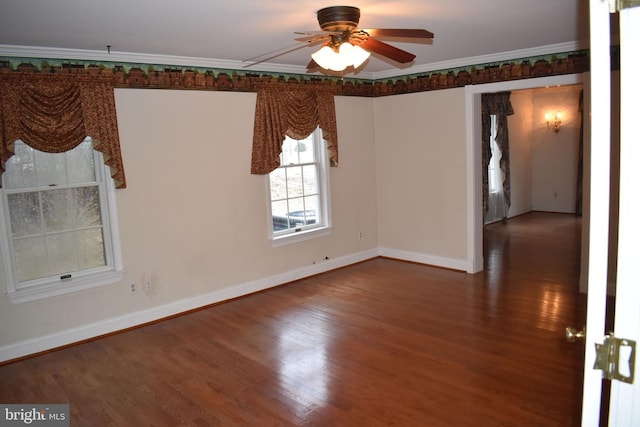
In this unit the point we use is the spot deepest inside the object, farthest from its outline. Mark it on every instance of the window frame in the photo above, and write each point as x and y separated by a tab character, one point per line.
323	227
50	286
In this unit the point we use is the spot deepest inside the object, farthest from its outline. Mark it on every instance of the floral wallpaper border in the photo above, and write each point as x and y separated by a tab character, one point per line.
150	76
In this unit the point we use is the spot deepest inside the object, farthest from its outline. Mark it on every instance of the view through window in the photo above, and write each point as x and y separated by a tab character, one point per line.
298	186
55	214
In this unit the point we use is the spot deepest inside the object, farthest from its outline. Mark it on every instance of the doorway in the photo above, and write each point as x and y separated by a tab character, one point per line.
473	93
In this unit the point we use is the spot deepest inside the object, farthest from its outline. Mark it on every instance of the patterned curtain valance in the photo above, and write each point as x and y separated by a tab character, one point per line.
294	111
497	103
55	112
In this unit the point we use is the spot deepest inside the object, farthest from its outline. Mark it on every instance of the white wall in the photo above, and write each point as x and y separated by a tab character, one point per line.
195	220
420	146
554	156
544	164
520	152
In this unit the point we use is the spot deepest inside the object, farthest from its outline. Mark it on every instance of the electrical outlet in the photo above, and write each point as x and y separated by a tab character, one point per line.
360	235
148	284
132	288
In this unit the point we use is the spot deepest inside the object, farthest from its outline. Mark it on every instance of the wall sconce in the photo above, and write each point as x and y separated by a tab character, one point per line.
554	120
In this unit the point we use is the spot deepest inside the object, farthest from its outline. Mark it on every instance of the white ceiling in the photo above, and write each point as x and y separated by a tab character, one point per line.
229	32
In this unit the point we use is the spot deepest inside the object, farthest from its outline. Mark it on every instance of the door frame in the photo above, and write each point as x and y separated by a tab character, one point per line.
473	95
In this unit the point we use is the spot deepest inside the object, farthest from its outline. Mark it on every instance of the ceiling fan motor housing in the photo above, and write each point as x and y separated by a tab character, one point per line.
339	18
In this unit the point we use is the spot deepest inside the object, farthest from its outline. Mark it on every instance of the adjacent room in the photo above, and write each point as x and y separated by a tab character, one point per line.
201	230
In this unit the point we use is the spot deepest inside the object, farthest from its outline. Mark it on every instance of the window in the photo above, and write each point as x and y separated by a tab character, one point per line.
496	204
59	231
298	189
495	173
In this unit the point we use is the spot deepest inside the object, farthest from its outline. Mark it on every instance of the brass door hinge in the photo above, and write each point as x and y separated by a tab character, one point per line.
608	358
618	5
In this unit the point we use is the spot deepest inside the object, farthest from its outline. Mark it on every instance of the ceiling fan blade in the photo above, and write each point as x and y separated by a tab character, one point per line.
315	33
276	53
317	37
412	33
384	49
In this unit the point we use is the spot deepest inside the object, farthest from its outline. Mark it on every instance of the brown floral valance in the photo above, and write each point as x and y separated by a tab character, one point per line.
55	112
294	111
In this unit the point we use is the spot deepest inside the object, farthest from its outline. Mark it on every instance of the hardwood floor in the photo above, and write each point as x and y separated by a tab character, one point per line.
379	343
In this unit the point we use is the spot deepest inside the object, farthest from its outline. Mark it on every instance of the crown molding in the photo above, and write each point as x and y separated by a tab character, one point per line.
186	61
485	59
141	58
144	58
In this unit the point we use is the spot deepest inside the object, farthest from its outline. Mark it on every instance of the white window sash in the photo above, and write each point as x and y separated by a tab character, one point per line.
112	272
313	230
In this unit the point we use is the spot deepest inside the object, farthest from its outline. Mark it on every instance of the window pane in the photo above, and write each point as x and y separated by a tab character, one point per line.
70	208
296	210
312	211
91	248
310	174
52	168
56	208
280	208
306	151
289	152
24	211
30	258
75	251
279	215
81	158
20	168
63	253
294	181
278	184
87	203
59	253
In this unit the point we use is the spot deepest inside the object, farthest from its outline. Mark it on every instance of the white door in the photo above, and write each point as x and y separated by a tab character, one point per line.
624	400
625	403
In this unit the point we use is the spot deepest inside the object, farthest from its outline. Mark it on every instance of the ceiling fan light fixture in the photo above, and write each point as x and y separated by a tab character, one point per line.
358	56
345	56
328	59
345	49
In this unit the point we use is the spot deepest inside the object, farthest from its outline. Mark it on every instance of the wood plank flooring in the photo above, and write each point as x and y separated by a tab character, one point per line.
379	343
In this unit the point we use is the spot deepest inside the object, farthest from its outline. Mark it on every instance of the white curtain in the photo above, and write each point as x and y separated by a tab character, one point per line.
497	206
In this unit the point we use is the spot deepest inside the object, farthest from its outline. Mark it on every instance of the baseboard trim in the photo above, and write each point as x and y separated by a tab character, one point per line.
83	333
436	261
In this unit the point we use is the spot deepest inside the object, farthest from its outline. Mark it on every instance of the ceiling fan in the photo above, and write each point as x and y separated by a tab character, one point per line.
345	45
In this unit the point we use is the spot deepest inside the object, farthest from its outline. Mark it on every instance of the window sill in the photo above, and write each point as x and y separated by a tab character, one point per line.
53	289
300	236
